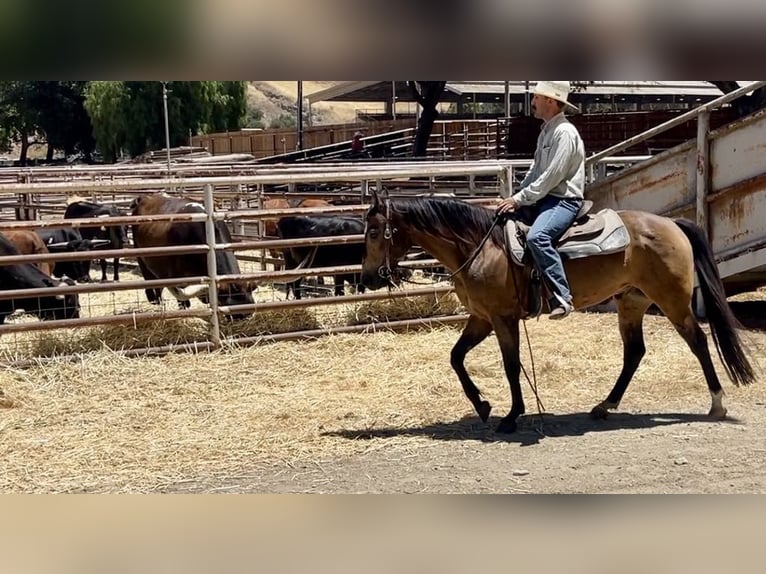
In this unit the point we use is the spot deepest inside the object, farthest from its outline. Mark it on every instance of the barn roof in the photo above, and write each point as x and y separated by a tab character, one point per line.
381	91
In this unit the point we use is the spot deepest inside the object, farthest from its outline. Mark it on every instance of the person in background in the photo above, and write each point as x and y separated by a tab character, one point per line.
357	145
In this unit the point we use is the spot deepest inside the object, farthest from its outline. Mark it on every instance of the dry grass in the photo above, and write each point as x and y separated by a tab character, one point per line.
110	424
400	309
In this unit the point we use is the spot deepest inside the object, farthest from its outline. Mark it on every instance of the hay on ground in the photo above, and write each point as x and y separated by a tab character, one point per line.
385	310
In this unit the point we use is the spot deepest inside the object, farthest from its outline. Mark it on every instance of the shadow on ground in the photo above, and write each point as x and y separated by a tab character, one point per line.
532	428
752	314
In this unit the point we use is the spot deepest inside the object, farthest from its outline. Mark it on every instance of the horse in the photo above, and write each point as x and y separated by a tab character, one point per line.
657	267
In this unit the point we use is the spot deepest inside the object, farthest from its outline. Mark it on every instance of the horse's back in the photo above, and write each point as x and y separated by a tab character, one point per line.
659	256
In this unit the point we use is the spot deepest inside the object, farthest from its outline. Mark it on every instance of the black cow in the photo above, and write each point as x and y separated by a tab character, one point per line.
166	233
27	276
69	240
325	255
114	235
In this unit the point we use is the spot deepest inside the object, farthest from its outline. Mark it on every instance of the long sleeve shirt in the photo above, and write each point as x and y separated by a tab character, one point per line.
559	165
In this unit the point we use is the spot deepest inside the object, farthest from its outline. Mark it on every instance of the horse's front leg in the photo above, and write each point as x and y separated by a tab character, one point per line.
507	331
475	331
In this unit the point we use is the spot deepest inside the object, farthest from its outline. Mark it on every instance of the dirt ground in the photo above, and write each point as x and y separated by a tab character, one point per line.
661	451
658	442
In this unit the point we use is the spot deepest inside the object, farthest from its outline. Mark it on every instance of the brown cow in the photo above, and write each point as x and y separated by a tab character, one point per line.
166	233
270	230
270	225
29	243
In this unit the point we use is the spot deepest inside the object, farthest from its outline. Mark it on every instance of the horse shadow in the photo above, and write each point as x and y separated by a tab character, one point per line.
532	428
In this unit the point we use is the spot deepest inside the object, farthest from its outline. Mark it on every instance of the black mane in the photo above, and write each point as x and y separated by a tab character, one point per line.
450	219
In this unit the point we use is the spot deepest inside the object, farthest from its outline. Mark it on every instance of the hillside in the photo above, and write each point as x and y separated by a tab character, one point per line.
276	98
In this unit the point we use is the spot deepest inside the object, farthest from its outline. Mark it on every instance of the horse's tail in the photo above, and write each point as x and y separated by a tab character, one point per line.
723	324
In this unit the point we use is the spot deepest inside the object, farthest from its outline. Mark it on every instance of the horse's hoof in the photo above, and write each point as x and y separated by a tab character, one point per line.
601	410
483	410
717	414
506	426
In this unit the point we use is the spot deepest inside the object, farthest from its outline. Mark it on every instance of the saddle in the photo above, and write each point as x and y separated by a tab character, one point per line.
598	233
591	234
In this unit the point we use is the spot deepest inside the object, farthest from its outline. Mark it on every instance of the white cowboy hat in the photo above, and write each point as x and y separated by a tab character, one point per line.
557	90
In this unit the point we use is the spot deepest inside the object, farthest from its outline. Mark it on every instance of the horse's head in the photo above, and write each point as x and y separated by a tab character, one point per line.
385	244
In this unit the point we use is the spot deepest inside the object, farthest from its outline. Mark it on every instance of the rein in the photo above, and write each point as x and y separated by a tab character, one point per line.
498	218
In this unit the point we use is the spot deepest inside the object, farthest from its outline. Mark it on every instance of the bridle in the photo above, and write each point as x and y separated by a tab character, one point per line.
384	271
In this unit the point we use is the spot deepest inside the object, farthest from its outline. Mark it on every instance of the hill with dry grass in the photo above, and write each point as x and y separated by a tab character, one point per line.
277	98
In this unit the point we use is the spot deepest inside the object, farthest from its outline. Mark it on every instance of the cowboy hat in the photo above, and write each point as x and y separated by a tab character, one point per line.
556	90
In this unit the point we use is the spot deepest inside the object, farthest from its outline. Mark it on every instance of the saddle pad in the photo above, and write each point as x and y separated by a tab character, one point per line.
607	234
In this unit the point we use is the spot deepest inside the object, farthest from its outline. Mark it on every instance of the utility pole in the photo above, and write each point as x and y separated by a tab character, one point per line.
300	115
167	123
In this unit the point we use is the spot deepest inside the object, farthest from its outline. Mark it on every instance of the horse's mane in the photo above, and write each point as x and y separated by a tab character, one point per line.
451	219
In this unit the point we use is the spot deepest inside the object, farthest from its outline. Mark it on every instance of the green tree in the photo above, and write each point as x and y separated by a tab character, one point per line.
129	116
49	112
18	119
105	103
62	120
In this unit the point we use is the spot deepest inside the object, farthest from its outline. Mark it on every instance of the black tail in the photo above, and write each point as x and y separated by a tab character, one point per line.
723	324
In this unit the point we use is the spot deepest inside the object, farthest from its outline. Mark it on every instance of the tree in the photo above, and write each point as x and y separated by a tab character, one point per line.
129	116
18	120
427	94
62	120
49	112
105	103
744	105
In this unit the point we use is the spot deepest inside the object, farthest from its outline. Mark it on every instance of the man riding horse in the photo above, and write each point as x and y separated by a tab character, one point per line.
552	191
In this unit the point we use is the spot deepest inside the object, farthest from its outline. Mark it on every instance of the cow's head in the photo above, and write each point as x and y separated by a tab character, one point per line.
48	307
79	270
62	306
236	294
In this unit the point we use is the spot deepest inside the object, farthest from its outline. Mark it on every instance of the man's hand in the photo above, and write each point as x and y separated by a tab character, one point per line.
506	205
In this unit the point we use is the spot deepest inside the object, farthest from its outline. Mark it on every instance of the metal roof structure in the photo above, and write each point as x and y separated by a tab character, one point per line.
494	91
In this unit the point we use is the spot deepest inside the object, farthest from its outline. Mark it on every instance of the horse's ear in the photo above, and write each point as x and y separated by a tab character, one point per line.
374	203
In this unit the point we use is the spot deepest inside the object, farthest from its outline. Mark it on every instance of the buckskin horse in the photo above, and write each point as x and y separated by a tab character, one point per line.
656	266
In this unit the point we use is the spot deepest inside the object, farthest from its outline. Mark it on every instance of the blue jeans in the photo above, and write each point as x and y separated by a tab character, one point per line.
554	216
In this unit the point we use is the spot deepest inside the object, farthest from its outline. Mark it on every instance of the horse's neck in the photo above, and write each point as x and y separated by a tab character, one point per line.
446	251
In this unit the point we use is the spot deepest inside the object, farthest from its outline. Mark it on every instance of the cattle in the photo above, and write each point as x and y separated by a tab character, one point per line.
69	240
324	255
27	276
28	242
166	233
114	235
270	225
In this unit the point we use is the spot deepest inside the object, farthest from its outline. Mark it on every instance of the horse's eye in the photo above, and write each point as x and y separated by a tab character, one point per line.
374	233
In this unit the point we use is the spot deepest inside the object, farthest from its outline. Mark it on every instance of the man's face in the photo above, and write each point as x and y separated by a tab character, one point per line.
542	106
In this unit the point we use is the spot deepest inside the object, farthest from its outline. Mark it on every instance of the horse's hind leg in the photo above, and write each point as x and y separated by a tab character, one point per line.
688	327
678	308
475	331
631	308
